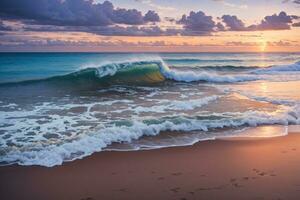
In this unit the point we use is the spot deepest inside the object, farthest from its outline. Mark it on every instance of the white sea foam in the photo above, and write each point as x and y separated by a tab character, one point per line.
191	76
87	144
209	77
176	105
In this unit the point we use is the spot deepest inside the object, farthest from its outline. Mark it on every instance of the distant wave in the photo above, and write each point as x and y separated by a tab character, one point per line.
225	68
190	76
199	60
279	69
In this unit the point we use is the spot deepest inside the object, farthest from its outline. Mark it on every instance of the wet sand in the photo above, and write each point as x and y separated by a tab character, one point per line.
221	169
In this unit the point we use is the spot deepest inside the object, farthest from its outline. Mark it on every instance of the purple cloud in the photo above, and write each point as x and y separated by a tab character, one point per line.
3	27
151	16
105	19
296	24
70	12
233	23
294	1
282	21
197	23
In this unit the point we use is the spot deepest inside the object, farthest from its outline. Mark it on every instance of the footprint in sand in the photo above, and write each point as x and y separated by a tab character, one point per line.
177	174
175	190
255	170
262	174
122	190
87	198
211	188
237	185
232	180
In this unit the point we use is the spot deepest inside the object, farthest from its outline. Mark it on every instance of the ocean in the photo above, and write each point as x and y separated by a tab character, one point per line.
59	107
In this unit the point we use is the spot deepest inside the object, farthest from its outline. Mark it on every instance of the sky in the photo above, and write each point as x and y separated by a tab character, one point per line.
150	25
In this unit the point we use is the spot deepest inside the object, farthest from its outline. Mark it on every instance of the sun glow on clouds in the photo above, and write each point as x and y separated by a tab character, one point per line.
133	29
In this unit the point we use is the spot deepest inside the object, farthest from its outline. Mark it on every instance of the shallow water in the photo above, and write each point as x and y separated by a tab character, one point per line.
57	107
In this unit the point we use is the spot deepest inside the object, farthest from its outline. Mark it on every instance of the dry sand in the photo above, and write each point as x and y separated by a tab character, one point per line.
221	169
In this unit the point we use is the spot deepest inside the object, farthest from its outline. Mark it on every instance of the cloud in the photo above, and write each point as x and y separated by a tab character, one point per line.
294	1
296	24
282	21
233	23
48	41
123	16
105	19
151	16
269	43
4	27
197	23
106	30
70	12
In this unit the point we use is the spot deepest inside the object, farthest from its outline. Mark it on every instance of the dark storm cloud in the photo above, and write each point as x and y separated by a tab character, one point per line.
71	12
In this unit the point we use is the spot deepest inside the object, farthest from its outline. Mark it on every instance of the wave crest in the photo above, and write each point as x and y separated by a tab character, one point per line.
156	71
276	69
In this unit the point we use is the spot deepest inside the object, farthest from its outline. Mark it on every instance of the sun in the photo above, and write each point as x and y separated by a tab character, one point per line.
263	46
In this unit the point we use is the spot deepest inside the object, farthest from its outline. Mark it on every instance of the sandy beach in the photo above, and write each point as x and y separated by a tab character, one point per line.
149	100
221	169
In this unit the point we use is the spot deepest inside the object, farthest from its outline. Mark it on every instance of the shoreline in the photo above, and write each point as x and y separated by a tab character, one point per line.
262	168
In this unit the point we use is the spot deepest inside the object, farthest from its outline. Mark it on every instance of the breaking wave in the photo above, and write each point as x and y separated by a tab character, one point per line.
279	69
140	72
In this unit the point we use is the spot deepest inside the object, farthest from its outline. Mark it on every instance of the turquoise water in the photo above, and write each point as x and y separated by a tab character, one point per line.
58	107
27	66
